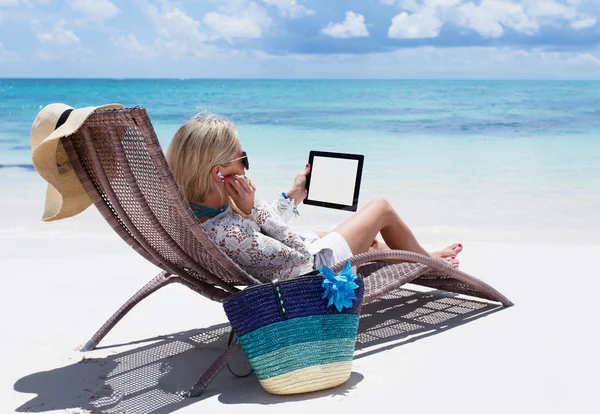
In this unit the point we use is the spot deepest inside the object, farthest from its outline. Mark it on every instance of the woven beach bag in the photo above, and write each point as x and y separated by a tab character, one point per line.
299	334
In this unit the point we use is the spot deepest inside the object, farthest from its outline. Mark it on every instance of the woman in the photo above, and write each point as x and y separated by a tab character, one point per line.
209	165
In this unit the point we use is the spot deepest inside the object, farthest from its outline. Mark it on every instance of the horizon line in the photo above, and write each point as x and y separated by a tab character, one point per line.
305	79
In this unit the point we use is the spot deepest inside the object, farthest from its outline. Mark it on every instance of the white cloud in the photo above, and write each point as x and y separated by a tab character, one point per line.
59	36
180	36
249	23
173	23
9	3
491	16
131	45
424	20
584	23
352	26
584	59
290	8
414	26
60	44
549	8
95	9
438	4
416	5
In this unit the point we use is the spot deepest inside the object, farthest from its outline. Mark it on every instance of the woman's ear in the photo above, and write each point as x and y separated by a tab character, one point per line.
217	174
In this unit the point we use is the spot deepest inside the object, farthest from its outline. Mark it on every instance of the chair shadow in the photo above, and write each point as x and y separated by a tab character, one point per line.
148	379
405	316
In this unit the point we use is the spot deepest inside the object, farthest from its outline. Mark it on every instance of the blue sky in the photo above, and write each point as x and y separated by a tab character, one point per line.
506	39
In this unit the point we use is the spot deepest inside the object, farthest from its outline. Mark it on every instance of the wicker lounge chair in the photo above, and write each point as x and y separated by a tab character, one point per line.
119	161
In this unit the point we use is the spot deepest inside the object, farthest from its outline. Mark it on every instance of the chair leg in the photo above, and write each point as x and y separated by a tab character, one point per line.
213	370
159	281
247	370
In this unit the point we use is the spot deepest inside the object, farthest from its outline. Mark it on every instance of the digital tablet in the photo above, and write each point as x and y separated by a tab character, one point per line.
334	180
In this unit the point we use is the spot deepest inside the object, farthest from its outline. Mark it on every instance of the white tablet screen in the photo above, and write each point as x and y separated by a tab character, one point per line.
333	180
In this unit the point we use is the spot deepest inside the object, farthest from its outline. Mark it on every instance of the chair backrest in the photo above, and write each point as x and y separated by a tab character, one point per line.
118	159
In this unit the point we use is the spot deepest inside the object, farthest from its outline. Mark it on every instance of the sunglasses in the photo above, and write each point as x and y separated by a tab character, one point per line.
244	159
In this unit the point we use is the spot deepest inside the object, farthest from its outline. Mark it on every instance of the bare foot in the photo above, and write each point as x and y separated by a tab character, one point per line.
448	254
452	261
449	251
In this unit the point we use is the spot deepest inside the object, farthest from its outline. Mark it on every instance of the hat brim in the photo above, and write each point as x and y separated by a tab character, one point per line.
65	196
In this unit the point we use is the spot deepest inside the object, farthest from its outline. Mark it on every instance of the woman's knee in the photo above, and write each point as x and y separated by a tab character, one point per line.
382	209
382	205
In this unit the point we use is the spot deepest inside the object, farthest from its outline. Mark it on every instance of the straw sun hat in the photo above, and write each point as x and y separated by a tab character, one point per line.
65	196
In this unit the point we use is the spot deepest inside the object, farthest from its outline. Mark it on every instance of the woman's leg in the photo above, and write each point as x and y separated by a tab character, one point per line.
378	216
375	245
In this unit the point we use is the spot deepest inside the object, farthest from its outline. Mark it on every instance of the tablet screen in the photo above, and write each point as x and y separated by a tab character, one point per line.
334	180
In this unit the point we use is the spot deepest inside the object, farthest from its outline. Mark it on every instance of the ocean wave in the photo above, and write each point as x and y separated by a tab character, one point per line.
28	167
395	107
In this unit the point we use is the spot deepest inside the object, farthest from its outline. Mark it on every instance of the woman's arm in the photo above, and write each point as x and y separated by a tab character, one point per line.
298	191
281	254
284	208
271	224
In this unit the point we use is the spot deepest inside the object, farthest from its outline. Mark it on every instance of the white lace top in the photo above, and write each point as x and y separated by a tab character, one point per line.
263	245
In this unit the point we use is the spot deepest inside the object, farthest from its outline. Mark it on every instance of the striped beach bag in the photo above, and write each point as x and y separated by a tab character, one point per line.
299	334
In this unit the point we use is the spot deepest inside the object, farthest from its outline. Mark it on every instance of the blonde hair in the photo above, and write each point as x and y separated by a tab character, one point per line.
198	145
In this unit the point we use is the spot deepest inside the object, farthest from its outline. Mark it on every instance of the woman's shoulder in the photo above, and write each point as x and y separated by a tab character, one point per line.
227	219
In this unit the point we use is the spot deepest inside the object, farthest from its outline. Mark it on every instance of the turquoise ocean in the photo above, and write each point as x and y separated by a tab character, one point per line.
491	161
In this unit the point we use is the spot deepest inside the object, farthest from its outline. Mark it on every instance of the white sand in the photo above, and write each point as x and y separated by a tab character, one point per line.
63	280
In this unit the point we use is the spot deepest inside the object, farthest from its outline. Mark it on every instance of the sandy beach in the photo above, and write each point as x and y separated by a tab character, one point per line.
64	279
478	121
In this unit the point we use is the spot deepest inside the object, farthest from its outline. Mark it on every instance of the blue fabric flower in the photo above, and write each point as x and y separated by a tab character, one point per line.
339	288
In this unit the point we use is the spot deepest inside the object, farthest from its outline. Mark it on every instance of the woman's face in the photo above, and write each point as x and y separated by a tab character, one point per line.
235	167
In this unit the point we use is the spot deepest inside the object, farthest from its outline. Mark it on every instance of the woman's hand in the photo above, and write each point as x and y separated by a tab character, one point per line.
298	192
241	190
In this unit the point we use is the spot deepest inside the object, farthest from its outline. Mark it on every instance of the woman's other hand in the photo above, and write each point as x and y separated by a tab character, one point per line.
298	192
241	190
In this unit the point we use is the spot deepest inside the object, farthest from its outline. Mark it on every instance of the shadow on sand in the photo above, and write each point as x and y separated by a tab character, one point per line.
148	379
